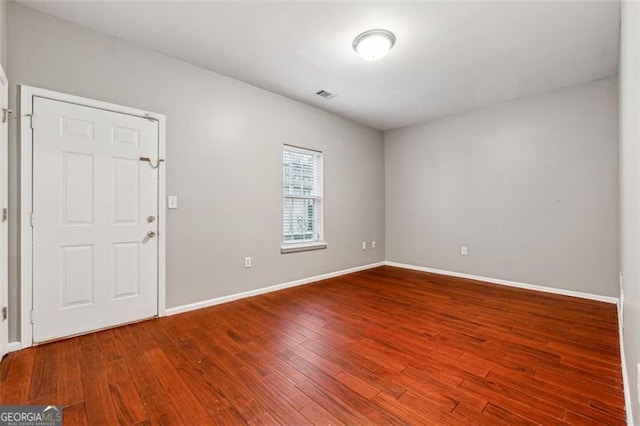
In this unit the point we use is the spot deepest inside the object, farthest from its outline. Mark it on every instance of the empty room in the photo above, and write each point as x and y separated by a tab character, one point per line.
296	213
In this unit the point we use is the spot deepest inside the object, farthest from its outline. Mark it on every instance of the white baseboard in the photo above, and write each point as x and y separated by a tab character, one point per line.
250	293
15	346
590	296
625	372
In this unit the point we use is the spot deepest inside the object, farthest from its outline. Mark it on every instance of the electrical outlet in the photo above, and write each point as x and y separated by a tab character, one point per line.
464	251
364	245
373	244
247	262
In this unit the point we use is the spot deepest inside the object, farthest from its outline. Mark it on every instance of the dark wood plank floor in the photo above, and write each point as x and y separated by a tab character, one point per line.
384	346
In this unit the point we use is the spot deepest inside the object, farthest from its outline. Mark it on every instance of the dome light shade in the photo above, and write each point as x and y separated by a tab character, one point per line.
374	44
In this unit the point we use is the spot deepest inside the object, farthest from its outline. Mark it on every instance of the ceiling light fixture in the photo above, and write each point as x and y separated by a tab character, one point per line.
374	44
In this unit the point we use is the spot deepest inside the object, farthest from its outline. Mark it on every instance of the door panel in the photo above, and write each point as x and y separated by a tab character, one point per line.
125	189
125	260
94	265
77	189
4	174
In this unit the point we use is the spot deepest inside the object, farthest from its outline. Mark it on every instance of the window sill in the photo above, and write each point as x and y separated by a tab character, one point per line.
295	248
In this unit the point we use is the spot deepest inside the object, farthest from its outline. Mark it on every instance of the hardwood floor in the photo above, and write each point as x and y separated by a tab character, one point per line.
383	346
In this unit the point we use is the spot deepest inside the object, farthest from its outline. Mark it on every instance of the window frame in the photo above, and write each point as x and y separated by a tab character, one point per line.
318	243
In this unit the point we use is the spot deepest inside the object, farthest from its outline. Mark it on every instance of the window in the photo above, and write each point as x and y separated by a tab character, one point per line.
302	199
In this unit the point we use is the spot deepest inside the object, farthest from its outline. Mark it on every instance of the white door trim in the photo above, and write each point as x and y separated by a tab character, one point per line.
26	94
4	231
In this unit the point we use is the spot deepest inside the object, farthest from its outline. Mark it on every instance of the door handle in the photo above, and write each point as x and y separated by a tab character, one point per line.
151	234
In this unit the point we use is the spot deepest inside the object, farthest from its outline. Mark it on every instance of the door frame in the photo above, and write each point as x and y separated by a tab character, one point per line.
4	190
26	95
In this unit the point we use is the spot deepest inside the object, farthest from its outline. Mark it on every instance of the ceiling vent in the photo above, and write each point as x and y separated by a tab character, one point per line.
327	95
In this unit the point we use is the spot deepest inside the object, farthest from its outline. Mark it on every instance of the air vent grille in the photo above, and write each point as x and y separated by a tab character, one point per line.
325	94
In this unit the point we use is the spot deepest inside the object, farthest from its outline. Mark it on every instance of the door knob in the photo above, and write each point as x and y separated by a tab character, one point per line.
151	234
150	218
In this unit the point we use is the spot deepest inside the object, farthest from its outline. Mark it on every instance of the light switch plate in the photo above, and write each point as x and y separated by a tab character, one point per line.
172	202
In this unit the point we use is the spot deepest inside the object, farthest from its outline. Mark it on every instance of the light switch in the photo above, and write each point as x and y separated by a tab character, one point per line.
172	202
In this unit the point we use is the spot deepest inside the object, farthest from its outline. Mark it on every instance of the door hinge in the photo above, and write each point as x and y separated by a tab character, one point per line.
31	219
31	317
5	214
5	114
31	121
5	313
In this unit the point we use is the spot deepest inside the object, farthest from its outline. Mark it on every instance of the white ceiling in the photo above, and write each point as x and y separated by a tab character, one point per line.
449	57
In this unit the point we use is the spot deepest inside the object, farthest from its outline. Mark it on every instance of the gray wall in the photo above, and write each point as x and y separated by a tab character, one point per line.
630	191
3	33
530	187
224	149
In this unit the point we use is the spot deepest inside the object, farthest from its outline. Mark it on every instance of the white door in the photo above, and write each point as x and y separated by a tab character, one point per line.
95	209
4	295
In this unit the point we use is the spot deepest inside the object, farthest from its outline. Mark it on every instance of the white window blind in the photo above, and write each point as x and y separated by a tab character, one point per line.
302	190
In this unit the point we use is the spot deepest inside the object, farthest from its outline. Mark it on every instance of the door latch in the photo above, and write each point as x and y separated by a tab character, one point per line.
5	114
5	313
148	160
